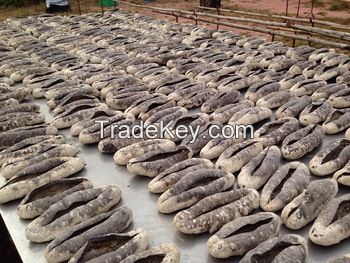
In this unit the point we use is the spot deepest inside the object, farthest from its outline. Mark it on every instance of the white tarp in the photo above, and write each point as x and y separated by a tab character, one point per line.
56	2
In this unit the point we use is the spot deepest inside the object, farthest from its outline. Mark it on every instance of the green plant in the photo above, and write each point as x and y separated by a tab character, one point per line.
339	6
319	3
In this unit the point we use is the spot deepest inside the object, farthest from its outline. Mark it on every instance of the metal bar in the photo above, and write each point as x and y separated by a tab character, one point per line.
287	7
297	15
218	11
298	10
312	9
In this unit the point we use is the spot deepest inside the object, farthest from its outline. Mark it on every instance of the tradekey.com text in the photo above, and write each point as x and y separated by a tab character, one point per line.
168	131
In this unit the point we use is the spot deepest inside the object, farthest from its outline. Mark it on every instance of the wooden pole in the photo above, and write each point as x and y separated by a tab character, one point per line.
321	31
176	18
309	30
232	18
102	9
79	9
312	15
298	10
297	15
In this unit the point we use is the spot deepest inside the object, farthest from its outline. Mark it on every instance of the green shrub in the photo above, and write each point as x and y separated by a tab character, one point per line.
339	6
17	3
319	3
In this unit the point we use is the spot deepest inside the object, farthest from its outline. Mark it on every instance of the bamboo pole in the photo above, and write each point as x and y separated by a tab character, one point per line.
312	15
288	18
298	10
266	31
102	9
322	31
292	30
149	7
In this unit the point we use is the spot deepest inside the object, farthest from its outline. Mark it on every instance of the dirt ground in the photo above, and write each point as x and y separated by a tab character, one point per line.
7	249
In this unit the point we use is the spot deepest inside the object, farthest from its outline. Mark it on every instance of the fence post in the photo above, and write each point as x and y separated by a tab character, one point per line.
312	24
176	17
299	2
312	9
79	9
297	15
194	13
218	11
312	16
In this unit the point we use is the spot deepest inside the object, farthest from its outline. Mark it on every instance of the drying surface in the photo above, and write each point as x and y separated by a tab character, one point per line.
101	170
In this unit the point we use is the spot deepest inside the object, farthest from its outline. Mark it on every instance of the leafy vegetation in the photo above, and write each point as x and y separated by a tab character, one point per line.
339	6
18	3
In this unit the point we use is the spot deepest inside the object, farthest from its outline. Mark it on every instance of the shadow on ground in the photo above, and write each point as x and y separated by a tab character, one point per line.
8	252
